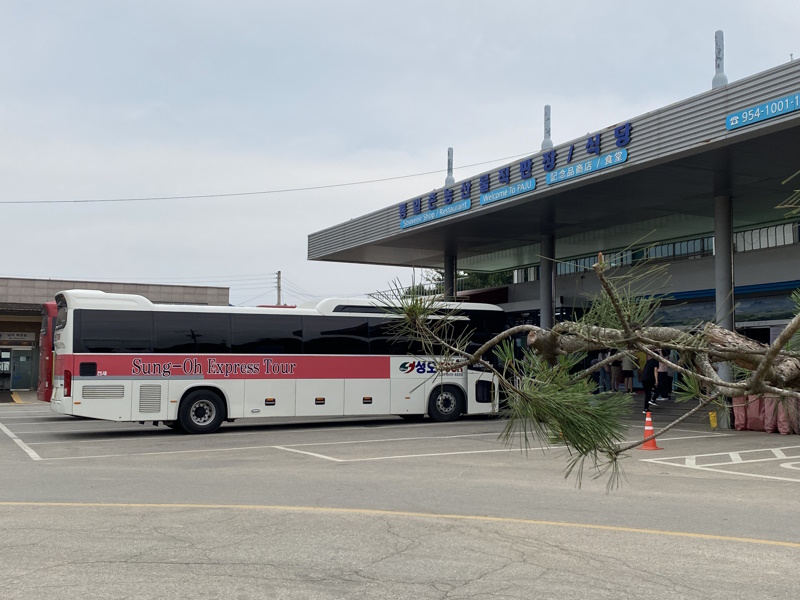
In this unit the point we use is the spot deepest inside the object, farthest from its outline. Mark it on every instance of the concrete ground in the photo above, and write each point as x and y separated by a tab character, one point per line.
382	508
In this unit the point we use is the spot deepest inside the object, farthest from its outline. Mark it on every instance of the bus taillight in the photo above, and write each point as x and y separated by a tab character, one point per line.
67	383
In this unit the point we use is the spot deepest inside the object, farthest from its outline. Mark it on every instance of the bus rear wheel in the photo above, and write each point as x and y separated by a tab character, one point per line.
201	412
446	403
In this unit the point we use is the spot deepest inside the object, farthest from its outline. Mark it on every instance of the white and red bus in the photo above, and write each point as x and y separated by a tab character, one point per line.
45	386
119	357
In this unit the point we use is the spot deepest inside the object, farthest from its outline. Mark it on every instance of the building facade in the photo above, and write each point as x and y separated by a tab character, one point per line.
707	185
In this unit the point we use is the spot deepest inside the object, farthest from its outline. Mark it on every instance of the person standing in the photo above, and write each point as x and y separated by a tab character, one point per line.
605	373
641	358
616	372
649	379
628	366
663	383
596	375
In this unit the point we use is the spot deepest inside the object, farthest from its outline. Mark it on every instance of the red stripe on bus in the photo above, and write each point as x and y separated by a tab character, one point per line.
233	367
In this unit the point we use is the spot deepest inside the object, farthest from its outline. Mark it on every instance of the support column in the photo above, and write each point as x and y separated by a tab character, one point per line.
450	276
547	282
723	277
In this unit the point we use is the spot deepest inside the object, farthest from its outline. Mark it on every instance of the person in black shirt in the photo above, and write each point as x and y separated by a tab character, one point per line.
649	378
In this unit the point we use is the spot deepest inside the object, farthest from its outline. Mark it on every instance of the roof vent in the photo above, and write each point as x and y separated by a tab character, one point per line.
720	79
449	180
547	143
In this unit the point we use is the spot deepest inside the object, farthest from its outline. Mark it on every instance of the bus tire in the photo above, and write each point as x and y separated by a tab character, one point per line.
446	403
201	411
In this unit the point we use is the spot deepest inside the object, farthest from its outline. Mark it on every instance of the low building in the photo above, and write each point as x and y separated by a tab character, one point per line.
21	302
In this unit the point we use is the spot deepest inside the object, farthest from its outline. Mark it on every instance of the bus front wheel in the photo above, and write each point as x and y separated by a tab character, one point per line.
201	412
446	403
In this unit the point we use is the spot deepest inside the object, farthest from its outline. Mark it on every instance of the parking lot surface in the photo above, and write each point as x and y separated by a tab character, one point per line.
382	508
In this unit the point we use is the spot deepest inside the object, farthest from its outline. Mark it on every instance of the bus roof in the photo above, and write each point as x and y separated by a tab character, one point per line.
98	300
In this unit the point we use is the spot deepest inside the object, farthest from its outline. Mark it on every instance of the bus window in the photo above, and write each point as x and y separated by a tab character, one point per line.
113	331
344	335
383	339
201	333
253	334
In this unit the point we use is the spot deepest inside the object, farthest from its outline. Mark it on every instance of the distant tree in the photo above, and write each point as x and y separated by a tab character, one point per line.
433	279
476	281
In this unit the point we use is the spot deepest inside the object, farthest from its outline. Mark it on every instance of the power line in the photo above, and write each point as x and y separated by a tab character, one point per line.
298	289
263	192
269	291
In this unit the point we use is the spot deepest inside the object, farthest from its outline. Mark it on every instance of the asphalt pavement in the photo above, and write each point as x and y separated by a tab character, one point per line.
382	508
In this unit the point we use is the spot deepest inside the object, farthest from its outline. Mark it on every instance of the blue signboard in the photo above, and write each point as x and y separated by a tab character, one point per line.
585	167
559	164
443	211
515	189
762	112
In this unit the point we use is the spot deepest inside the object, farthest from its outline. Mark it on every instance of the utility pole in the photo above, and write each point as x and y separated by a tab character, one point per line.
279	288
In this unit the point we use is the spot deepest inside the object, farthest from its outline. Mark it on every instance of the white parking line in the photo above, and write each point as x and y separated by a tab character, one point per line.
738	456
314	454
683	437
756	475
287	447
402	439
426	455
260	430
733	458
28	450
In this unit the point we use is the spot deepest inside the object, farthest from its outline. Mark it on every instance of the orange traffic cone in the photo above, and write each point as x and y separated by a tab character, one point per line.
648	431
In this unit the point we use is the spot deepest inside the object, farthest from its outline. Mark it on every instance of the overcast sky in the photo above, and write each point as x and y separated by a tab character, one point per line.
113	99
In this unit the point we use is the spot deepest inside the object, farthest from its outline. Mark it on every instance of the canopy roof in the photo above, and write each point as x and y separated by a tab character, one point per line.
678	159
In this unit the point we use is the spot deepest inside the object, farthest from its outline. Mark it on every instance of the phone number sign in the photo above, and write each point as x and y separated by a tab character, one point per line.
762	112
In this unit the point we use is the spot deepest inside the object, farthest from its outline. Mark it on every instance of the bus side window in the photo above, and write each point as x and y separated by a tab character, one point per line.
113	331
264	334
342	335
199	333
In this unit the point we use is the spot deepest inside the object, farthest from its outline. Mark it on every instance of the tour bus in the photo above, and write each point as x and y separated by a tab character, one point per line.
119	357
45	387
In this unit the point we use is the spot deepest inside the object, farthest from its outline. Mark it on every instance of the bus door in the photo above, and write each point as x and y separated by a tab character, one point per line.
482	396
408	378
